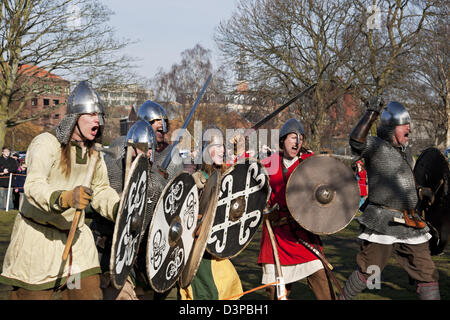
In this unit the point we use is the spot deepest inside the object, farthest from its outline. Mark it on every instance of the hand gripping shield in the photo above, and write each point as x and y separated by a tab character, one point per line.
129	226
322	195
171	232
432	171
244	191
207	210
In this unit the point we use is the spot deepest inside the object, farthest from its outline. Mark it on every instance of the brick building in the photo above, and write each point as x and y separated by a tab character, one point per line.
48	91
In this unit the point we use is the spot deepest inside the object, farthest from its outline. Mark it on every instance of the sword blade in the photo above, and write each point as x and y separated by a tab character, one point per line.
277	111
168	158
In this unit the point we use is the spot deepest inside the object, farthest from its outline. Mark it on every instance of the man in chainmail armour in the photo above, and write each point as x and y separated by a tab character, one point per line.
390	224
156	115
137	285
140	139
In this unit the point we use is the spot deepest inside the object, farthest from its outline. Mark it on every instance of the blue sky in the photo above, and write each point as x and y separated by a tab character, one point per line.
164	29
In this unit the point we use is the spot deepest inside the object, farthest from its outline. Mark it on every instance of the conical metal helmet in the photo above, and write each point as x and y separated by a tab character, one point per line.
394	114
151	111
84	99
292	126
142	136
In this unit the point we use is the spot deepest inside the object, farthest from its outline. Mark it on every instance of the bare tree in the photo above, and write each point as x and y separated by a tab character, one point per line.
186	77
287	46
291	44
68	37
184	80
427	86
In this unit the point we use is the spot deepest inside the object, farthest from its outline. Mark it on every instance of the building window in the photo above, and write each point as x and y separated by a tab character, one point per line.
57	90
34	102
55	102
46	102
56	116
35	88
47	89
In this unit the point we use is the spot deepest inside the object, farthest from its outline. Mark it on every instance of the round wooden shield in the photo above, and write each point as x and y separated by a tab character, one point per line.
322	195
432	171
129	225
244	191
207	209
171	232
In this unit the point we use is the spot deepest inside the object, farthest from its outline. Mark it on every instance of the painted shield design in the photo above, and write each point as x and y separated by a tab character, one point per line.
244	191
432	171
207	210
129	226
322	195
171	232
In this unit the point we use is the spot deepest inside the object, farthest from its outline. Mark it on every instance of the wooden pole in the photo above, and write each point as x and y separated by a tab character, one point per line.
281	289
76	218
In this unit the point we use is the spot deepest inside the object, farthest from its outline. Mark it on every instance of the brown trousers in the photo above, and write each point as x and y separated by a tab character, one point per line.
319	284
414	258
89	290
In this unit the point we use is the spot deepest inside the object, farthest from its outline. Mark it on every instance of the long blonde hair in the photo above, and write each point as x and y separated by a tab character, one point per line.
65	163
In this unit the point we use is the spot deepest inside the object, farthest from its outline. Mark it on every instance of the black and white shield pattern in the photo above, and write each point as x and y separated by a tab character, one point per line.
129	225
244	191
207	209
171	232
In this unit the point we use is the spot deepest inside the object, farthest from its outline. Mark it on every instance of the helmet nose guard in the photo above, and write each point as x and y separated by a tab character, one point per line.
142	136
151	111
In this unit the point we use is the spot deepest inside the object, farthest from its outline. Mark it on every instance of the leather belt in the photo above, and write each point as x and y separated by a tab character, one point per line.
48	225
409	217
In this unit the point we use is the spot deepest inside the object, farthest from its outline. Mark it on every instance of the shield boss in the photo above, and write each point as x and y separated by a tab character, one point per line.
171	232
322	195
243	194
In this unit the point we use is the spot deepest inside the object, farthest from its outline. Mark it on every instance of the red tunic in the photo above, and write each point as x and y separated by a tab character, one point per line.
290	251
362	183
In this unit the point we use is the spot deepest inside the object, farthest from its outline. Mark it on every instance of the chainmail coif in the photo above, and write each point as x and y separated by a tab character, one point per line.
64	129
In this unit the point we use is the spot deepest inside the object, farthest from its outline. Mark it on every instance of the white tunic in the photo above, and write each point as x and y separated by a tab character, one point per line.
33	259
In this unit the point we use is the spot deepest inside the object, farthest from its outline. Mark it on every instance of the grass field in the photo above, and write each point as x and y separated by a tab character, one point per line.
340	248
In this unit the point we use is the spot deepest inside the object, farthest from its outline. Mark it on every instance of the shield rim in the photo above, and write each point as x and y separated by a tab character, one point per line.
422	154
119	215
151	224
226	172
435	242
185	280
289	207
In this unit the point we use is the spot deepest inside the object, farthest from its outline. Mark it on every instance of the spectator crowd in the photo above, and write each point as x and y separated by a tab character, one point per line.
11	163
